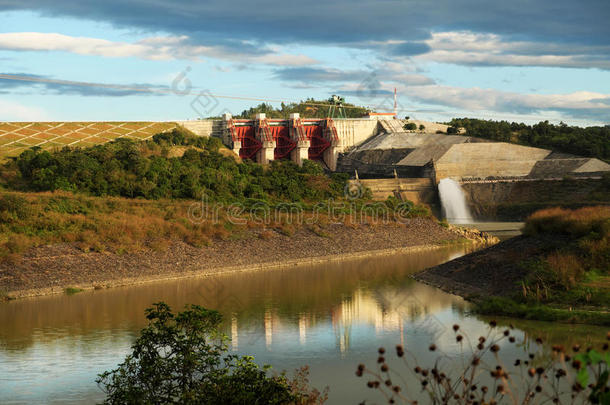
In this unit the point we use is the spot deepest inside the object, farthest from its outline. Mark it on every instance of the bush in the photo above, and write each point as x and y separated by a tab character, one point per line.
576	223
13	207
410	126
137	169
183	359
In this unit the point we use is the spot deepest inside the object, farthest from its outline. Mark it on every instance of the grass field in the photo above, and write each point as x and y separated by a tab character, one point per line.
15	137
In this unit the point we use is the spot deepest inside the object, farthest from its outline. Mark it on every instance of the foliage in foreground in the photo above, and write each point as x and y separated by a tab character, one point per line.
182	359
481	376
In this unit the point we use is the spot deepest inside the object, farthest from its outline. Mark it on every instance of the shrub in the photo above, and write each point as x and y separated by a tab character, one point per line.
576	223
183	359
13	207
130	169
410	126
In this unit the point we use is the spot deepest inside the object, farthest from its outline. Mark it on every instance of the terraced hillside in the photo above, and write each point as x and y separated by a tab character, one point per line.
15	137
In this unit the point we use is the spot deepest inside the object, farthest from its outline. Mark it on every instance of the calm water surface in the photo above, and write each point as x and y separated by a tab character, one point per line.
330	317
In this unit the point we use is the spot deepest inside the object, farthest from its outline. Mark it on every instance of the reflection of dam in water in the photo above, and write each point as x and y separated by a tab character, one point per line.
329	317
388	309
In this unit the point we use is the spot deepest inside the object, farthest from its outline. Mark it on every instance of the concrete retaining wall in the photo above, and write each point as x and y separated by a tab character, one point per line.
204	127
481	160
419	191
354	131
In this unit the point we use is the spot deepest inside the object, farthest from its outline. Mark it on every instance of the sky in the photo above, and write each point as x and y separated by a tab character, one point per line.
518	60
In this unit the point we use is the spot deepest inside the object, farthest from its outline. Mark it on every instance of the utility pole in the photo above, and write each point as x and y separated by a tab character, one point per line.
395	105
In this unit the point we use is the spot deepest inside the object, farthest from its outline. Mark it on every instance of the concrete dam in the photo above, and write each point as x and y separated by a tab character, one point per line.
375	149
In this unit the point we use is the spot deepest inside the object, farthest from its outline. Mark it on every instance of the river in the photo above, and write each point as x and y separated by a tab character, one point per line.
330	317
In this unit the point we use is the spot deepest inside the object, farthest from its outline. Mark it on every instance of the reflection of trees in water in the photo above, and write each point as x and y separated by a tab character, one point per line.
305	289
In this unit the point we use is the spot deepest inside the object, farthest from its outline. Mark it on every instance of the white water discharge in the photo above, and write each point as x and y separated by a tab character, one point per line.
453	202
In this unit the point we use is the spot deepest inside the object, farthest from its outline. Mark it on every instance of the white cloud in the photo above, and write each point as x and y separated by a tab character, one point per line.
13	111
151	48
581	103
468	48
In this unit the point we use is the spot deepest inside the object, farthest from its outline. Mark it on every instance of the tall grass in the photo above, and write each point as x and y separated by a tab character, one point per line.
578	250
576	223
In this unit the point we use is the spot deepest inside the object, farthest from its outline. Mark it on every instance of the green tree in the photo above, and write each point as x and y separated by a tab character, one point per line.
183	359
410	126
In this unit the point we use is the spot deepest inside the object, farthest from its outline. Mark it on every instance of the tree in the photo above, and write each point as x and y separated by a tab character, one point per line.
410	126
422	127
182	359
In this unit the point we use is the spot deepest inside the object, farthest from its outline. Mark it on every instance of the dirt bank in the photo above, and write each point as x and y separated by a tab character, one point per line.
52	269
492	271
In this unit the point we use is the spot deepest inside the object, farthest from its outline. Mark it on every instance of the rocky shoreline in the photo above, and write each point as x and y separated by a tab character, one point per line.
52	269
488	272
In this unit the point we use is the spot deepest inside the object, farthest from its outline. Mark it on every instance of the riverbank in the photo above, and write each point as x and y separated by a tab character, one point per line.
63	267
556	271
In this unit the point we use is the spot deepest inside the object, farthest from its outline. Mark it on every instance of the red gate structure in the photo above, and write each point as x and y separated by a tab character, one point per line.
250	136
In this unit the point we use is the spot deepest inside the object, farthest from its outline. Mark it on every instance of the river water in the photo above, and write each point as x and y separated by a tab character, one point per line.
330	317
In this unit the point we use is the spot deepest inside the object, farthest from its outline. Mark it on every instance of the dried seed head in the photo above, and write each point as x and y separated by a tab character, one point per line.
400	351
432	347
381	350
495	348
456	327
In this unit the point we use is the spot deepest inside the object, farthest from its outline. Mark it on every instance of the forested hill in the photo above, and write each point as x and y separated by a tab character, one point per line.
309	108
590	141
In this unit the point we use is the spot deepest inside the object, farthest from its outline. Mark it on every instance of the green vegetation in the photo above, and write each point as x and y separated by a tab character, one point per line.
183	359
410	126
590	141
154	170
309	108
73	290
126	196
570	279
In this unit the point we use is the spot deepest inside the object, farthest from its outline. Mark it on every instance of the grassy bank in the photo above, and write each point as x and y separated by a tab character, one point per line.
569	279
130	196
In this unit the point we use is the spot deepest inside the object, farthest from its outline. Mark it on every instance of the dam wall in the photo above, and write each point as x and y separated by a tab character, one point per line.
417	190
213	128
351	131
515	200
493	159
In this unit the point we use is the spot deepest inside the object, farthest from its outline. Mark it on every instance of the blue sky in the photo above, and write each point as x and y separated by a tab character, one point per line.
520	60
